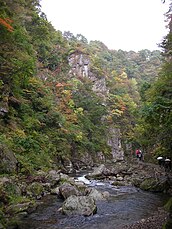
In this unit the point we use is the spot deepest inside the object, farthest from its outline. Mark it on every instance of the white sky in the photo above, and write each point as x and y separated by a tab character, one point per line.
119	24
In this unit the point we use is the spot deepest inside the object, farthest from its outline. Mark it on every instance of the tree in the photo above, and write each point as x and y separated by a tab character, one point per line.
157	108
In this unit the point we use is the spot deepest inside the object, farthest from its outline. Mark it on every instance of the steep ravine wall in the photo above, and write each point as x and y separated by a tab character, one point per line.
80	67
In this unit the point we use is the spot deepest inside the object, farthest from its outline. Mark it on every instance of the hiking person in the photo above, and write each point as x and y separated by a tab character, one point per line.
160	161
167	164
140	155
137	153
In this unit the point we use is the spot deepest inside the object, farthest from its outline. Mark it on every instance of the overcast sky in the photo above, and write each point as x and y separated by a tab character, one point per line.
119	24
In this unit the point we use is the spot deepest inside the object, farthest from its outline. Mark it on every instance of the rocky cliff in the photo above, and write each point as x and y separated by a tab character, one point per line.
80	67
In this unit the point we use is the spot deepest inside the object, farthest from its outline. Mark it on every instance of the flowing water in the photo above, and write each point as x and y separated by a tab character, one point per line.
125	205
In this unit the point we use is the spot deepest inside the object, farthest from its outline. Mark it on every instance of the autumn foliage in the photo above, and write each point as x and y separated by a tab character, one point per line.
6	22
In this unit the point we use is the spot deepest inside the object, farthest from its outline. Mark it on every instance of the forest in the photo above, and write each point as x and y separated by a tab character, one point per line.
62	97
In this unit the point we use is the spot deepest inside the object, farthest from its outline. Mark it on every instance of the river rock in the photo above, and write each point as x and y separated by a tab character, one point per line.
79	205
106	194
95	194
27	207
66	190
53	177
119	178
55	191
66	178
98	170
103	171
97	173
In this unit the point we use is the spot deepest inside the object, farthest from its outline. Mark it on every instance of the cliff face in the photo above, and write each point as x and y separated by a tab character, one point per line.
80	67
80	64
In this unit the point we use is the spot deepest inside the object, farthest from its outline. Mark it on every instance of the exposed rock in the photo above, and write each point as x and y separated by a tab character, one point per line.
106	194
22	207
79	205
82	67
67	190
155	185
85	162
119	178
118	183
114	140
113	170
8	160
97	173
3	111
55	191
66	178
53	177
96	195
79	63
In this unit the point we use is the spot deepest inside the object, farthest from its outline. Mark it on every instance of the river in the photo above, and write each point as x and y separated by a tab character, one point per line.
125	205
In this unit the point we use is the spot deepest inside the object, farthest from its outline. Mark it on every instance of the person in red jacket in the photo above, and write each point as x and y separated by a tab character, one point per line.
139	154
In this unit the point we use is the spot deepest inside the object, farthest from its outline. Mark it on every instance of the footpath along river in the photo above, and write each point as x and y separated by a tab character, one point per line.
125	206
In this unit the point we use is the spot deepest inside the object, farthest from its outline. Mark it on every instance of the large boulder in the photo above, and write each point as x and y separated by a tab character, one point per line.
79	205
96	195
103	171
53	177
66	190
155	185
97	173
8	162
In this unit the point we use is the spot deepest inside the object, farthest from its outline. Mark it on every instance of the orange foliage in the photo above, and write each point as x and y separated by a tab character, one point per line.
63	84
6	23
123	108
64	98
60	85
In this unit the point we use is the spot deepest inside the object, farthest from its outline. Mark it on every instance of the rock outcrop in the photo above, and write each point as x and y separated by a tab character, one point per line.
81	67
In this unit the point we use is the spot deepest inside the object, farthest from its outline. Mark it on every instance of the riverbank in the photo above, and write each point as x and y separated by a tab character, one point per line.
156	221
121	180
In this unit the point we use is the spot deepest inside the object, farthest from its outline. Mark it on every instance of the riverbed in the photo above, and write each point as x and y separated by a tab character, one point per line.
126	205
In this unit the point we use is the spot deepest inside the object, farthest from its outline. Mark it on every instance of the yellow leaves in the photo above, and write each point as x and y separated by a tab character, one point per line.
20	133
66	93
117	112
71	103
123	75
79	110
114	73
120	79
79	137
109	119
34	82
